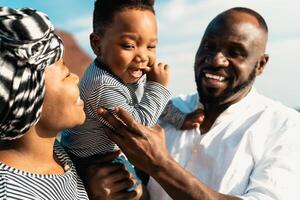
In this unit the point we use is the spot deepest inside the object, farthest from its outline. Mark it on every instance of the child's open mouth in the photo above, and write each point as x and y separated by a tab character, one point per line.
135	72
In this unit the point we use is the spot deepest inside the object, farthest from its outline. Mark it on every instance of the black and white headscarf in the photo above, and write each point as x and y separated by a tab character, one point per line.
27	45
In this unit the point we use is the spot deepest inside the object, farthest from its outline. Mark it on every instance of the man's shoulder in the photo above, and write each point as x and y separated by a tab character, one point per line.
279	111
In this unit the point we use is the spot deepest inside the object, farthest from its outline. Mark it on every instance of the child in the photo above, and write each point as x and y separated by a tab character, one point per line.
124	40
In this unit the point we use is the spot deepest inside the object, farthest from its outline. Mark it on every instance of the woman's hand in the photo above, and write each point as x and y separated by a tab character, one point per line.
109	181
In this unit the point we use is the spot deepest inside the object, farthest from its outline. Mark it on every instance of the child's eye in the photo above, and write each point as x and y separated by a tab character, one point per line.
151	47
128	46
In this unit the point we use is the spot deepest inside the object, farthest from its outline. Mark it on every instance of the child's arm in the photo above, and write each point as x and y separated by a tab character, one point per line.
147	111
181	120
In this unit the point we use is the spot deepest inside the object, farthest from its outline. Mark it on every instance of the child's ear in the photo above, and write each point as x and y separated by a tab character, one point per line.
261	64
95	42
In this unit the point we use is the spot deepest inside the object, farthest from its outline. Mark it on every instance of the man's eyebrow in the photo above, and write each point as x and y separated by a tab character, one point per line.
237	44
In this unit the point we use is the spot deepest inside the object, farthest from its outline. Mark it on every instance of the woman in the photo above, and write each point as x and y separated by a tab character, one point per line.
38	98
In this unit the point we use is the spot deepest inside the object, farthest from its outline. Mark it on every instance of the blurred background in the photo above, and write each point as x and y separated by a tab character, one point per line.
181	26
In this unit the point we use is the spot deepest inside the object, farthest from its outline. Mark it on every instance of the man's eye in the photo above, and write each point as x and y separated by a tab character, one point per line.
234	53
208	47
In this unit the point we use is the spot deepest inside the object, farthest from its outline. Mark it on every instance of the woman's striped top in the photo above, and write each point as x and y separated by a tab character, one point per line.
18	184
100	88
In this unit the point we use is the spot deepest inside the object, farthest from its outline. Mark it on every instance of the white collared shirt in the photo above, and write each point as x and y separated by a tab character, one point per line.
252	150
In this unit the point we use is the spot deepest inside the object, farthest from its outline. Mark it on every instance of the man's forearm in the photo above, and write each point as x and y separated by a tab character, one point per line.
180	184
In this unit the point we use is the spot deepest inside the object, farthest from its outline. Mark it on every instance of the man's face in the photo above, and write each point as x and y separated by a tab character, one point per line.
229	58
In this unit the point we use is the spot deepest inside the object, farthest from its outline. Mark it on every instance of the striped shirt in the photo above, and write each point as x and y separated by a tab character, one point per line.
100	88
18	184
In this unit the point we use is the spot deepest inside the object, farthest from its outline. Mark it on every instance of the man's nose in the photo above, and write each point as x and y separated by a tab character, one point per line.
217	59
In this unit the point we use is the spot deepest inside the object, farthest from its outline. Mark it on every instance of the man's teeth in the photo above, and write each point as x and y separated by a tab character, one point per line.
215	77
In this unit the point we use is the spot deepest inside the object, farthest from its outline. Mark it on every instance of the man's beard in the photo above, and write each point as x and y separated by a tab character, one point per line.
230	91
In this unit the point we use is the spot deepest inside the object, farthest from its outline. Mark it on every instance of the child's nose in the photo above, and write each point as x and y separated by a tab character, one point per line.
141	56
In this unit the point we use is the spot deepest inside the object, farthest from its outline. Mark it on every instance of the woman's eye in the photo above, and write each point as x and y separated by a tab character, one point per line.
68	74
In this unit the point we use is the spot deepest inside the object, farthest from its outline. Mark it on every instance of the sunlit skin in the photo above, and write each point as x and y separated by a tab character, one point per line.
230	56
62	108
128	46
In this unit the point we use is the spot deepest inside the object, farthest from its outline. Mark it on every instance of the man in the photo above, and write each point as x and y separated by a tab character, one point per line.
248	145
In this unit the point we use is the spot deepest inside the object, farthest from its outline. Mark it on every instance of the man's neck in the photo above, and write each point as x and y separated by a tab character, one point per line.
214	110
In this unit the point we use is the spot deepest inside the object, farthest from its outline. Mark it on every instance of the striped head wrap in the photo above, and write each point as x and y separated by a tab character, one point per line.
27	45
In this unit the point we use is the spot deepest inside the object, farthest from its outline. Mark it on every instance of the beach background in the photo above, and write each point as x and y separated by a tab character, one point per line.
181	26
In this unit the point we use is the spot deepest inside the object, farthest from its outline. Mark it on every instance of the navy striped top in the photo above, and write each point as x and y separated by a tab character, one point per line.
18	184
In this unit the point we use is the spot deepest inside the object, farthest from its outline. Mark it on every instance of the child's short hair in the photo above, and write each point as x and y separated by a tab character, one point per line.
105	10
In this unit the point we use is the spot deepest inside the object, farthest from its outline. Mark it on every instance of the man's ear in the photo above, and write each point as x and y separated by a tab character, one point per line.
95	42
261	64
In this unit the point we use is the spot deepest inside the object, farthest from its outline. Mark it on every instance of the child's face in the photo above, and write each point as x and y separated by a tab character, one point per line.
128	45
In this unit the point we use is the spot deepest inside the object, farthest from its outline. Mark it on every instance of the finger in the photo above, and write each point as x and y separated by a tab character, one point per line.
113	120
104	169
157	128
125	195
122	185
132	125
195	125
146	69
118	177
198	112
166	67
106	158
161	65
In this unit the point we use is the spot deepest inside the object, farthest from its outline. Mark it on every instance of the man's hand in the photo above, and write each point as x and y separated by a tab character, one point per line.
144	147
107	181
193	120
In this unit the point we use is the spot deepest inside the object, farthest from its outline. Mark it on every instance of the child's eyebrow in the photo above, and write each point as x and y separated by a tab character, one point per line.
130	36
136	37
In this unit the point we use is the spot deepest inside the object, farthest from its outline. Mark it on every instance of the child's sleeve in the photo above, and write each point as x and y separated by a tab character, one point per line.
173	115
147	111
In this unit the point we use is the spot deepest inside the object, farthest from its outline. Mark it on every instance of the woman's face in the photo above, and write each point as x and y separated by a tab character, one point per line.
62	107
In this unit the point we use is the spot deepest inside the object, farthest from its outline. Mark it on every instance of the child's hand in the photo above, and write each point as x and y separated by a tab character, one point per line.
159	73
193	120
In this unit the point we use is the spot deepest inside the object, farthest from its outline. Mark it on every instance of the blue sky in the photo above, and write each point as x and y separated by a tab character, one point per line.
181	26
